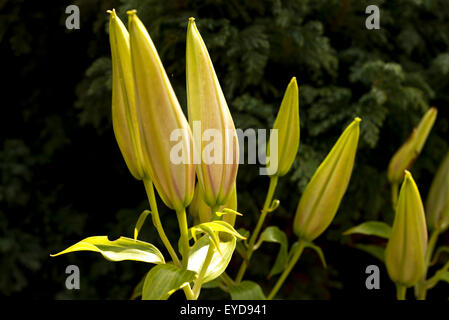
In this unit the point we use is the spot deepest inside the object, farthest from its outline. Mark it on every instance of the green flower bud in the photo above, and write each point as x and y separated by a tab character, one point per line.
202	213
322	196
210	118
287	126
437	203
164	130
405	156
124	118
407	245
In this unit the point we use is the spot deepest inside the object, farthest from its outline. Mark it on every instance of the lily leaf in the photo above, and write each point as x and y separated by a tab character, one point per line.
376	251
438	253
247	290
318	251
275	235
219	261
118	250
371	228
445	276
165	279
140	222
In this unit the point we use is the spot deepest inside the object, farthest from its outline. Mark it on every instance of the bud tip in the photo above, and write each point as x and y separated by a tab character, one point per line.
357	119
192	19
131	12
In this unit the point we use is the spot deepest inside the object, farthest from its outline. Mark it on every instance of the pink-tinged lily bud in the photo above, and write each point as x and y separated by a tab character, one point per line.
167	142
321	198
437	203
124	118
216	142
203	213
406	155
407	245
287	126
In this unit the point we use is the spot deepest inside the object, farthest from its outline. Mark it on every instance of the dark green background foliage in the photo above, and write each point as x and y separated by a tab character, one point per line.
63	178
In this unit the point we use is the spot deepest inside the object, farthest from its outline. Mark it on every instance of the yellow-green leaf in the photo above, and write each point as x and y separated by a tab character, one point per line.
247	290
163	280
371	228
118	250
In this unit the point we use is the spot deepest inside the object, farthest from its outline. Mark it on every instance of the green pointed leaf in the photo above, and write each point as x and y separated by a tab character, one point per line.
165	279
140	222
438	252
275	235
318	251
247	290
371	228
445	276
219	261
376	251
118	250
215	226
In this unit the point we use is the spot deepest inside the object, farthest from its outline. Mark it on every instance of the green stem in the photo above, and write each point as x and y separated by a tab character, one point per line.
255	234
400	291
199	280
157	221
394	195
184	241
214	209
227	279
287	270
423	285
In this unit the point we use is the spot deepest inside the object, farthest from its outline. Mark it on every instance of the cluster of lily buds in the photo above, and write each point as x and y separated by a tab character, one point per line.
409	151
407	245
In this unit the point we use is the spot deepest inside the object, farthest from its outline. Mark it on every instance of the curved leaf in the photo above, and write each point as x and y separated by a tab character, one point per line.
371	228
118	250
275	235
318	251
165	279
247	290
376	251
140	222
219	261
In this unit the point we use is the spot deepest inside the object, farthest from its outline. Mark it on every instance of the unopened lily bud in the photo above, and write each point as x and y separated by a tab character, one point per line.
321	198
216	142
407	245
124	118
405	156
437	203
203	213
167	142
287	126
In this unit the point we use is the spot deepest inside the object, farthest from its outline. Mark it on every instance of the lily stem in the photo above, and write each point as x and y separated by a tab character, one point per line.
157	221
199	280
287	270
184	241
401	290
255	234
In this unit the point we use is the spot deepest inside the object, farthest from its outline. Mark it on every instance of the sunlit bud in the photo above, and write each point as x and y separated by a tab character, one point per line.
216	142
406	248
321	198
203	213
437	203
405	156
124	119
287	125
167	143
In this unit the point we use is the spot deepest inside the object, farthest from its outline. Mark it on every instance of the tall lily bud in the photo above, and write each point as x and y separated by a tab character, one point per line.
410	150
210	120
322	196
203	213
287	125
167	143
124	118
437	203
406	248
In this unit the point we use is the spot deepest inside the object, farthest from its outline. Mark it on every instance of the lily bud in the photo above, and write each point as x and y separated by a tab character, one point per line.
287	124
210	119
167	142
407	245
410	150
437	203
203	213
321	198
124	118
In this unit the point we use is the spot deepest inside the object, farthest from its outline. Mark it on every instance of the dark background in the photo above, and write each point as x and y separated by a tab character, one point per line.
62	177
